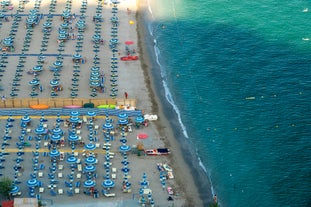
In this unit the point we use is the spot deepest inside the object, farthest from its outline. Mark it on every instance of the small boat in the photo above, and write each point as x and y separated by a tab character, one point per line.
167	168
158	151
129	58
72	107
39	106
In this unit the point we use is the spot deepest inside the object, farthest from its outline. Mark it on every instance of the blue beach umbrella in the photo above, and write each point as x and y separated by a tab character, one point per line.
34	82
108	183
74	113
123	121
139	119
56	137
90	146
25	119
14	189
90	160
54	82
40	130
72	159
89	168
124	148
123	116
74	119
91	113
108	126
73	138
57	131
54	153
37	68
89	183
32	182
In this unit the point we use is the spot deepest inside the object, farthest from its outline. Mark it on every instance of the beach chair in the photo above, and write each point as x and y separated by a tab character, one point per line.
77	190
52	192
60	167
69	193
78	184
78	176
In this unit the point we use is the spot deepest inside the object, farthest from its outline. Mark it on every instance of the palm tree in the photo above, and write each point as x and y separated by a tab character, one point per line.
6	185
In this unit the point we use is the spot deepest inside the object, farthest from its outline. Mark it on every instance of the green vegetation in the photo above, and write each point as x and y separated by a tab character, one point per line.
6	185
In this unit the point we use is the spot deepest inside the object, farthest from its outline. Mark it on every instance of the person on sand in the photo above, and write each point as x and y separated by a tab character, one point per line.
215	198
125	94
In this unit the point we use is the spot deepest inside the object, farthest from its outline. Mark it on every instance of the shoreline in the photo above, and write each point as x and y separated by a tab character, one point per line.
198	191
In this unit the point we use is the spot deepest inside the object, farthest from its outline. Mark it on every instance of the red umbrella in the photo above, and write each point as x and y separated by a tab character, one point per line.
129	42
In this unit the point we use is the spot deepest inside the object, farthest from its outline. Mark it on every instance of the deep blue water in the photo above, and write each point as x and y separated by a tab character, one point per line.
238	76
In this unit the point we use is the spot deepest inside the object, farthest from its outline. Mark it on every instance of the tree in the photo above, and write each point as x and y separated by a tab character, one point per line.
6	185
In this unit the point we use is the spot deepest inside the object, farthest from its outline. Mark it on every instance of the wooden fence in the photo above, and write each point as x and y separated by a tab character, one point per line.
61	102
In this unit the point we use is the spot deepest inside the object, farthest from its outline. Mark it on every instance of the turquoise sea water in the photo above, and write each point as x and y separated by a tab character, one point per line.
237	74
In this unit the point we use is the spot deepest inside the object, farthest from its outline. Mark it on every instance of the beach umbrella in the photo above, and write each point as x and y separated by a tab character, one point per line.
74	113
91	113
57	131
54	82
32	182
72	160
90	146
40	130
56	137
108	126
89	168
25	119
90	160
34	82
108	183
14	189
125	162
124	148
54	153
139	119
74	119
123	121
37	68
73	138
89	183
94	84
123	116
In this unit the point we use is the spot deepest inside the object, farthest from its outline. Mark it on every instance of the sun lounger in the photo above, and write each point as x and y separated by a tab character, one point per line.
114	176
79	167
114	170
110	194
78	175
60	167
60	175
40	174
41	190
77	190
60	191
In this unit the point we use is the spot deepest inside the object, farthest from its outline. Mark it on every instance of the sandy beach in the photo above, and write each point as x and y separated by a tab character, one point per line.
133	78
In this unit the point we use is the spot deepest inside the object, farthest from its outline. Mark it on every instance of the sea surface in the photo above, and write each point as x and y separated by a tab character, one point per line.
237	76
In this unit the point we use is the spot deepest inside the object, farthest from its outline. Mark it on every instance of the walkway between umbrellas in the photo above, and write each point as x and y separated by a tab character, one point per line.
66	112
